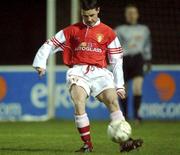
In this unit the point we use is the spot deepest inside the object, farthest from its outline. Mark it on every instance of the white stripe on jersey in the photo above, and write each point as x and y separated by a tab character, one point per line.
51	46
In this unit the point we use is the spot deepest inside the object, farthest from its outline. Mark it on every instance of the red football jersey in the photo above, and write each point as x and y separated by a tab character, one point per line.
87	45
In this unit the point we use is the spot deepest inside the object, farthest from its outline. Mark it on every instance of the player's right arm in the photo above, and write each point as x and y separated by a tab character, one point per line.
51	46
115	55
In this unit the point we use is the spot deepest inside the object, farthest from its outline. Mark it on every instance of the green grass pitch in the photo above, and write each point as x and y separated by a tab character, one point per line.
60	138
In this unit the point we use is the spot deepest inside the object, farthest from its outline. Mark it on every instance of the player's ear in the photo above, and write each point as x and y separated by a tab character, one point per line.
98	9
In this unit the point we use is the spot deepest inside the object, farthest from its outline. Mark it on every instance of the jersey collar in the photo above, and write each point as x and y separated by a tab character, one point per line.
97	23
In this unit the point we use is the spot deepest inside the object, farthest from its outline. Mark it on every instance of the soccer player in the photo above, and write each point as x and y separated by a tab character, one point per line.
135	40
85	46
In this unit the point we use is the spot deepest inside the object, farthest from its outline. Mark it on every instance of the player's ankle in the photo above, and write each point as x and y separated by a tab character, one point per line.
89	143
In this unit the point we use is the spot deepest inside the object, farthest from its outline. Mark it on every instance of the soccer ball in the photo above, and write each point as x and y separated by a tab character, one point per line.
119	131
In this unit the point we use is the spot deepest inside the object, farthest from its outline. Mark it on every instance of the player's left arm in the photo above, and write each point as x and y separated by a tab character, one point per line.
115	55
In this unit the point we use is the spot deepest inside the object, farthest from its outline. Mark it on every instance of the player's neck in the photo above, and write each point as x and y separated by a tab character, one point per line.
132	23
96	23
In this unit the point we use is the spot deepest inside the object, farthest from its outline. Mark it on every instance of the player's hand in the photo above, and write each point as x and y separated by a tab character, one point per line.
121	93
41	71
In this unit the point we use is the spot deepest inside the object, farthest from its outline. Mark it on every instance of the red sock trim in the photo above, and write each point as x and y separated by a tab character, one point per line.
84	129
86	138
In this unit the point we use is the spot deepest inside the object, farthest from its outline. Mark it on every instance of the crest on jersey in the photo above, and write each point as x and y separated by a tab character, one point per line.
99	37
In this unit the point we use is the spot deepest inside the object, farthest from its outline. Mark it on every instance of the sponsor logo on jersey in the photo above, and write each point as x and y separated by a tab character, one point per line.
165	86
88	47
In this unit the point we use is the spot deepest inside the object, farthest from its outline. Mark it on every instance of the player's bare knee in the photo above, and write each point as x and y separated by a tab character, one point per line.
137	90
109	99
137	85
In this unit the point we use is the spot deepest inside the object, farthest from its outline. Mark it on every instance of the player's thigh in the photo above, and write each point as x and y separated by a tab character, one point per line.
137	66
79	90
78	87
109	98
127	65
137	85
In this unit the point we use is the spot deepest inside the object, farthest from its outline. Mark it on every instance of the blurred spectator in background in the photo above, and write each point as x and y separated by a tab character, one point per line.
135	40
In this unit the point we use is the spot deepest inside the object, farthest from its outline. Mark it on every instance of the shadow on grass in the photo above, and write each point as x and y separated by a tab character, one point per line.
32	150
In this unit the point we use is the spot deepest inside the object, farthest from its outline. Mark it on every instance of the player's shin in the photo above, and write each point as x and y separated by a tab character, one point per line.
123	103
83	126
137	103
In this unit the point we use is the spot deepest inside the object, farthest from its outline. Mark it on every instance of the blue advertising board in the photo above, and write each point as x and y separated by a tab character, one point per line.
161	95
17	99
23	96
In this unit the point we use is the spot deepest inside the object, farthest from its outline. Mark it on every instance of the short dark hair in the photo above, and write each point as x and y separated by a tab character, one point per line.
89	4
133	5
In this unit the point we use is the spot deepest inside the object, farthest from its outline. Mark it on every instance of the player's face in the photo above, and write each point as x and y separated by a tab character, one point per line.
132	15
90	17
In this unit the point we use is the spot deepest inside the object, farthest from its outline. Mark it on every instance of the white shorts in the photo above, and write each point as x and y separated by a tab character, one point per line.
94	80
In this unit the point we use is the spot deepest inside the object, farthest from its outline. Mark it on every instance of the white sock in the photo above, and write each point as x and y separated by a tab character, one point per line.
117	115
83	126
81	120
